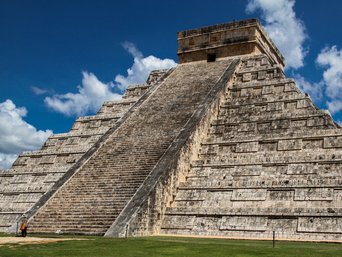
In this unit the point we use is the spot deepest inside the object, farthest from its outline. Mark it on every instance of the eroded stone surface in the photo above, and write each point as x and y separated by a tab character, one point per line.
270	161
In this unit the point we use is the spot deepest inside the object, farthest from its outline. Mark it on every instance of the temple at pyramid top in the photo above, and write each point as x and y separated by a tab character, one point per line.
224	40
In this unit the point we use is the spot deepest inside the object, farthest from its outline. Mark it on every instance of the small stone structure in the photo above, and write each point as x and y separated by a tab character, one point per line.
222	145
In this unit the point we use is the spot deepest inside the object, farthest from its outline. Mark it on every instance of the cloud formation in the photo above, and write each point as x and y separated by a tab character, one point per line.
315	90
16	135
92	92
90	96
41	91
283	27
141	68
330	58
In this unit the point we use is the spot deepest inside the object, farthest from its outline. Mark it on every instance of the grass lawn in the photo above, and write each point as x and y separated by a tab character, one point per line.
170	246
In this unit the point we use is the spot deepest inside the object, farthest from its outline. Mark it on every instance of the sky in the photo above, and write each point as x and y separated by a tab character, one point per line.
62	59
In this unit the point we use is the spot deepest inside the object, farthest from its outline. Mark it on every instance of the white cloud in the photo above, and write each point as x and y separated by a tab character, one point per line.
141	67
6	160
315	90
41	91
92	93
284	28
331	59
16	135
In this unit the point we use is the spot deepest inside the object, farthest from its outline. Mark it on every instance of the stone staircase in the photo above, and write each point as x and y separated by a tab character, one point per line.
35	173
271	161
92	199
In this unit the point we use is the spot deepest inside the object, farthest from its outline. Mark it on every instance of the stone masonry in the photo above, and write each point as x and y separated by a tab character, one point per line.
271	161
35	175
222	145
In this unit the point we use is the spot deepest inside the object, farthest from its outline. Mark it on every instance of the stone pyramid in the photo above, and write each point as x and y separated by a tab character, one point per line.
222	145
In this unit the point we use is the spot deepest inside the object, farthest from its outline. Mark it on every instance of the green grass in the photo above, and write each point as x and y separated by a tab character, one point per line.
170	246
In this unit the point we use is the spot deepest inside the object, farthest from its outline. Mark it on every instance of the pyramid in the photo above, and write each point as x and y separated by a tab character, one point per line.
221	145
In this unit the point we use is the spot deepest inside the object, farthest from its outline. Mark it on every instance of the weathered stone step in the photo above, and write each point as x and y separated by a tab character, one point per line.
289	85
257	69
335	135
284	183
301	101
63	151
99	117
302	114
74	134
272	211
251	156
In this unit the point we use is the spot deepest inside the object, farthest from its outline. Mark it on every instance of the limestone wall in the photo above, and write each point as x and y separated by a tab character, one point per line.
271	161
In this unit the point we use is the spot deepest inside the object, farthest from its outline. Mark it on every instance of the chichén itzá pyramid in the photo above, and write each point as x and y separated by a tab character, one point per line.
221	145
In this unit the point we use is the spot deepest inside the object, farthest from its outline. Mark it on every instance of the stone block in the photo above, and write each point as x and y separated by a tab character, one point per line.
245	92
313	144
247	170
250	63
282	225
278	89
315	121
275	106
289	144
291	106
314	194
178	222
320	225
247	147
206	224
49	159
21	160
289	87
263	127
249	195
298	123
217	199
332	142
73	141
243	223
246	77
266	90
280	195
280	124
338	198
209	149
51	142
187	204
303	103
302	169
72	158
264	61
191	195
268	146
76	125
262	75
94	124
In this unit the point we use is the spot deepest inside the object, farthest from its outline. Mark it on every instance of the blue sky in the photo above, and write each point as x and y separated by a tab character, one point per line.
55	54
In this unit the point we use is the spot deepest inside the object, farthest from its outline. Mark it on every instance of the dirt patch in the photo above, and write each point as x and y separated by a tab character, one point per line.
32	240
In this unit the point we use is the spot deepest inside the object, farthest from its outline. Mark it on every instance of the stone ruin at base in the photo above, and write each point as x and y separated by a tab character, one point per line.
221	145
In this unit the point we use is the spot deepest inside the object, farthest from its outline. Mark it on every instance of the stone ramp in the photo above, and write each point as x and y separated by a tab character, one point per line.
92	199
271	161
